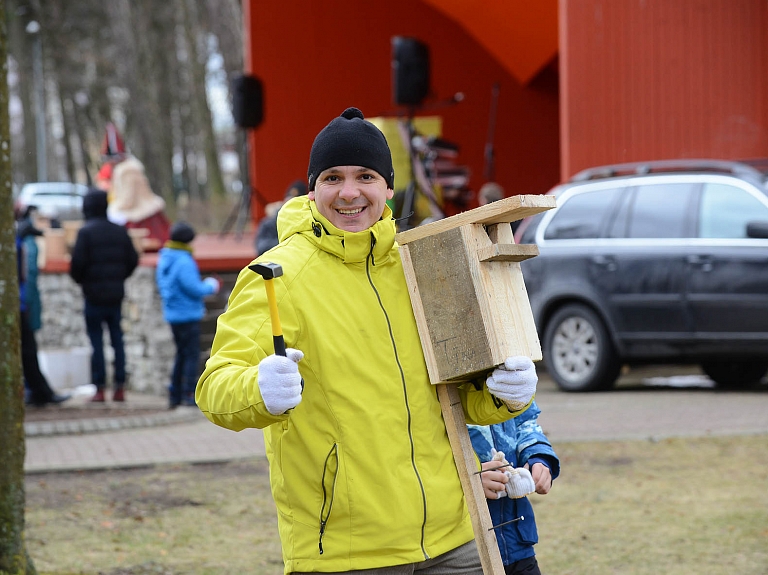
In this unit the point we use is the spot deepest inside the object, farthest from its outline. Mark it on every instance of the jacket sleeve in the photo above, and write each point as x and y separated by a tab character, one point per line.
481	407
228	390
190	282
532	442
78	261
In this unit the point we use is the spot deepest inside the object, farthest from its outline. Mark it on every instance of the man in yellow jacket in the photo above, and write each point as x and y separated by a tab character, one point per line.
361	469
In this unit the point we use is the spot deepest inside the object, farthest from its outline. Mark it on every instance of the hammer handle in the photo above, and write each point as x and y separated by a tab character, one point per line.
279	345
277	329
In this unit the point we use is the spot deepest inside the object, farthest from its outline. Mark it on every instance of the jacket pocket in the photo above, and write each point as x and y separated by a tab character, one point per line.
330	474
527	527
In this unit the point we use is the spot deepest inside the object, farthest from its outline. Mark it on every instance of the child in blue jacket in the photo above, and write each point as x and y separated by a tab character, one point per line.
183	292
524	444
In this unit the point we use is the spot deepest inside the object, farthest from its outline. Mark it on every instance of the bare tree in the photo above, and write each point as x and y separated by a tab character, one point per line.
24	151
14	558
224	19
197	48
140	64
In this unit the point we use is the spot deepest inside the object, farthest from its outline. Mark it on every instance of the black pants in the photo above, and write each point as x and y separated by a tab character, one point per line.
186	365
40	392
528	566
96	316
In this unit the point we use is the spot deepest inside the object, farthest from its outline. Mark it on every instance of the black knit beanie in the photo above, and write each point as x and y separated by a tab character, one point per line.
182	232
350	140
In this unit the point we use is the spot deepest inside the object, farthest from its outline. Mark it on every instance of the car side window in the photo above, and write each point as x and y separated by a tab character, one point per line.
619	219
725	211
581	216
528	234
661	211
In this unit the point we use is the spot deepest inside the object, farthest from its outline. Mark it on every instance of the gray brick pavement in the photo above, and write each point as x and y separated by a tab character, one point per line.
194	442
633	411
181	435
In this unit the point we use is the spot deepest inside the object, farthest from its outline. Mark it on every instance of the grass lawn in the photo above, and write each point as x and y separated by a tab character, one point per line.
678	506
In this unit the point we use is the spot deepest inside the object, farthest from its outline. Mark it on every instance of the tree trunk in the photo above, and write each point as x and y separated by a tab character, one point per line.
224	18
67	135
25	155
160	65
136	37
78	120
14	558
198	55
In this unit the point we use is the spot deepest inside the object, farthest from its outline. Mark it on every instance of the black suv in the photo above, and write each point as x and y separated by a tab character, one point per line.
656	262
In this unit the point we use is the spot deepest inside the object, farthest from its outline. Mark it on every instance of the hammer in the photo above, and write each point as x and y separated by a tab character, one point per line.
269	272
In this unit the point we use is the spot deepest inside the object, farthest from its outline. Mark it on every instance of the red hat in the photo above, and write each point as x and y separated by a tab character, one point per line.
113	144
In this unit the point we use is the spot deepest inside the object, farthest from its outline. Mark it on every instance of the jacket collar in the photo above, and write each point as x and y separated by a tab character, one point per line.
300	215
178	246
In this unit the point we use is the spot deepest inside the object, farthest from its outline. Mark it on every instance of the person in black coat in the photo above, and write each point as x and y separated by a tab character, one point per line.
266	234
102	259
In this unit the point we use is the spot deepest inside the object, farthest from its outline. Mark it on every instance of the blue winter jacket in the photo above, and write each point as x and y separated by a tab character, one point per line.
523	441
26	267
179	283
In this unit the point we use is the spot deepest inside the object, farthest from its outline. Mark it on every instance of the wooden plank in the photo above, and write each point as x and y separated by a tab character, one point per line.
466	463
510	326
507	252
455	323
509	209
418	313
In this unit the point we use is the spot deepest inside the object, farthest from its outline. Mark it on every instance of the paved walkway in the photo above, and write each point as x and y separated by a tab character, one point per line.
646	405
183	435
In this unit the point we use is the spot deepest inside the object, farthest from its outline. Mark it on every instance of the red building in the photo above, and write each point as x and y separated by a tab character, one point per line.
581	82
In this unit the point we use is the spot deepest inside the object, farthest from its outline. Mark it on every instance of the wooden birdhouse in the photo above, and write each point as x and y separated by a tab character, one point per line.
467	289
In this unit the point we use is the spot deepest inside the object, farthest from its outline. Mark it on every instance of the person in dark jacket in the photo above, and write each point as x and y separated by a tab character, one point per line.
521	443
183	292
38	390
102	259
266	234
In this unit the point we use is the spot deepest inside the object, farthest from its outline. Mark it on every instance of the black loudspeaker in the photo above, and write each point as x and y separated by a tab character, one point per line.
410	70
247	101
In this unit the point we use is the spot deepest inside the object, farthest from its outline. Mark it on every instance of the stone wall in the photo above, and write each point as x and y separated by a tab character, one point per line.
149	346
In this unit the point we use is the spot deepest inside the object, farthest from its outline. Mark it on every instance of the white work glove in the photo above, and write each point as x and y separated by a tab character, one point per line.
514	382
519	481
214	283
280	381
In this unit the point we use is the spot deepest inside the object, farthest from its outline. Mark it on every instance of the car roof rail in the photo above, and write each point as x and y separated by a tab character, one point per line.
656	166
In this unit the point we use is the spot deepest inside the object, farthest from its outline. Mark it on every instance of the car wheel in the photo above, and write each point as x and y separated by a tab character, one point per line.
578	350
735	374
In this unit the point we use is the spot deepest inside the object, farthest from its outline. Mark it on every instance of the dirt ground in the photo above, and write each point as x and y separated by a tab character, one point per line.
170	520
618	507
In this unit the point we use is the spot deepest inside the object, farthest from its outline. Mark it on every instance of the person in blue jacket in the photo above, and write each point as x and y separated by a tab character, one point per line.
524	444
183	296
37	390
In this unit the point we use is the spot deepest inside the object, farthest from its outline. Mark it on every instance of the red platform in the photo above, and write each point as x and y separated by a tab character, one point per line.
213	253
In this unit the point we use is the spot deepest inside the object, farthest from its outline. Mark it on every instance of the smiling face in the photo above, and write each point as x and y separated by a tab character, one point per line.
352	198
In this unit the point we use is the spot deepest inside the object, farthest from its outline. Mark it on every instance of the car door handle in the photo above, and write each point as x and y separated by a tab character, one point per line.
607	262
703	262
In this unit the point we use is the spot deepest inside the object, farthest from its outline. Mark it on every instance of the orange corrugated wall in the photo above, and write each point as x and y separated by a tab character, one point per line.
649	79
316	58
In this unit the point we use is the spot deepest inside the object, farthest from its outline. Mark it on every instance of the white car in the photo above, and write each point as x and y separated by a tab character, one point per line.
60	200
